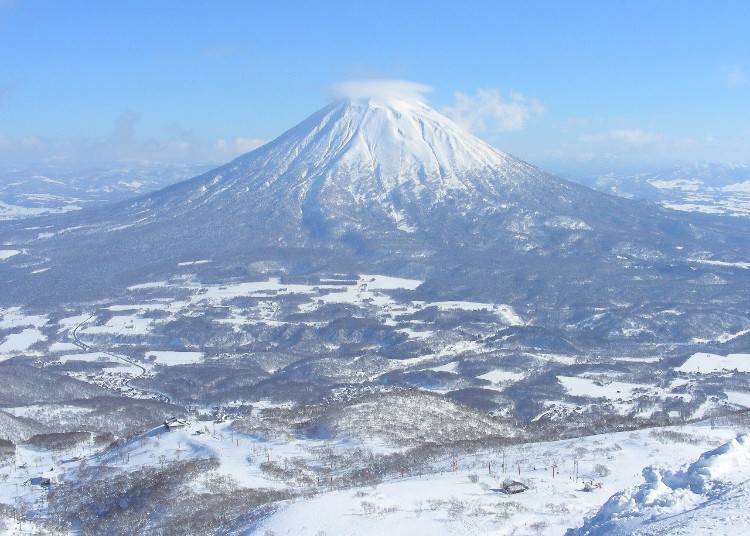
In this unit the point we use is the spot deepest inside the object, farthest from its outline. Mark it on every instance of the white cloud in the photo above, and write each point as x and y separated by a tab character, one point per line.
628	136
641	145
487	111
123	144
235	146
736	77
384	89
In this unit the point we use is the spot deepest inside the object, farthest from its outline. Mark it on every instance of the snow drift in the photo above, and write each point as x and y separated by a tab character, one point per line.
665	493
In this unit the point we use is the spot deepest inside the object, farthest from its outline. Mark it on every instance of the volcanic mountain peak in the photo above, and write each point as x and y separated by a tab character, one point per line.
365	149
399	139
372	163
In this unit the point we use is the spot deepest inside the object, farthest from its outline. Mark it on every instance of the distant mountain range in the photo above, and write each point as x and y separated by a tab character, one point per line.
52	189
710	188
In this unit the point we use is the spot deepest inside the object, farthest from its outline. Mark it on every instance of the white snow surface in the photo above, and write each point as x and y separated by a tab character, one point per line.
14	317
578	386
499	376
739	398
19	342
505	312
667	494
122	325
457	495
448	502
167	357
89	357
193	263
61	347
381	144
705	363
726	264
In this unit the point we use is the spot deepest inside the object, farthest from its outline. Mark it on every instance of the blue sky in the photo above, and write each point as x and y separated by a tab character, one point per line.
605	81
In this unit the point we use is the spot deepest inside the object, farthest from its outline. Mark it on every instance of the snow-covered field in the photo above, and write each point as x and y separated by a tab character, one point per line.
727	264
586	387
456	494
706	363
466	497
167	357
367	291
18	342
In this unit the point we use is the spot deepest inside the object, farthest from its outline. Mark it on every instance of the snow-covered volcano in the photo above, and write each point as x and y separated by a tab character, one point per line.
371	149
388	157
372	181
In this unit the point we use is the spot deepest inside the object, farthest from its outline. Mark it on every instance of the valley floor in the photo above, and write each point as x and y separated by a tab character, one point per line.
350	405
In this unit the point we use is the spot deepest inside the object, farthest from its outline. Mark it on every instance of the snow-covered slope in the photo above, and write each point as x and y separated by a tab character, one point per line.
684	501
464	496
355	163
389	419
372	147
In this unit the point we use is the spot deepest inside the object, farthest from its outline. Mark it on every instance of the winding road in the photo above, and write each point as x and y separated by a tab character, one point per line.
75	339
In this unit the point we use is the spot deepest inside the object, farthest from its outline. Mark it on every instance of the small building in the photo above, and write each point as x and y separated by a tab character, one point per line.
590	486
514	486
175	423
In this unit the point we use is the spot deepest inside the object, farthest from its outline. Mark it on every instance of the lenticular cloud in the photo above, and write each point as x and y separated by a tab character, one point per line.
384	89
